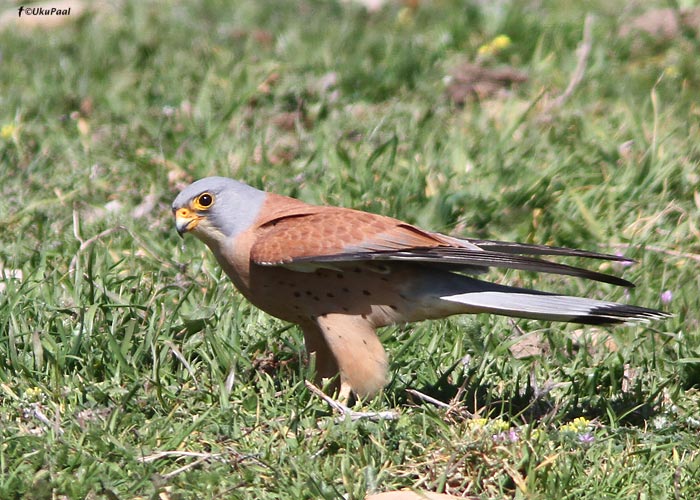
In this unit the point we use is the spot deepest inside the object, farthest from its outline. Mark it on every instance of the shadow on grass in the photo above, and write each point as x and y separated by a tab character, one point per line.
469	395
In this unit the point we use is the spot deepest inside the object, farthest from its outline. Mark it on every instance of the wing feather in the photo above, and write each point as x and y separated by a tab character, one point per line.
324	235
460	257
533	249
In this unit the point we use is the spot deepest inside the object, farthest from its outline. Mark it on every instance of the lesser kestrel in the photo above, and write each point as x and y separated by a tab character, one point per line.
341	273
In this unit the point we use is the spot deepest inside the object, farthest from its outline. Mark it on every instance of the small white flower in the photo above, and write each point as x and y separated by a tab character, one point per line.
660	422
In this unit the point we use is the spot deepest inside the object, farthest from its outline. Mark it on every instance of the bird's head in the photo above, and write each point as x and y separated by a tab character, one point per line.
216	208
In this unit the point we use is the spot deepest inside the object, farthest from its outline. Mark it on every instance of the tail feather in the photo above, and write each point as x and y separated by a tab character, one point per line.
457	294
553	307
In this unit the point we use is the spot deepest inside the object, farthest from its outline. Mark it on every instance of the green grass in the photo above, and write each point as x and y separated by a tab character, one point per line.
129	365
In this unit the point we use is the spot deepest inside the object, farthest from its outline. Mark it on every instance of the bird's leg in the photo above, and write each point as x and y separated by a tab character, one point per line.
345	393
325	365
357	351
321	355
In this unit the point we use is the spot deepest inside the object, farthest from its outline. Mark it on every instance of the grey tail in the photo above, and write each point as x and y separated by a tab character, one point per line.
475	296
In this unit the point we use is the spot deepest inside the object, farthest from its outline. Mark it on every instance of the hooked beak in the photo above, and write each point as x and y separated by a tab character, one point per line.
185	220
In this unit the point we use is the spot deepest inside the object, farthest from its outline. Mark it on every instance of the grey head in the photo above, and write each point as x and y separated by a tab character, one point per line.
217	207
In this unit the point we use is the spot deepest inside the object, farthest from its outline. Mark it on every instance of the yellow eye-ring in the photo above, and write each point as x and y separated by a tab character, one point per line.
204	201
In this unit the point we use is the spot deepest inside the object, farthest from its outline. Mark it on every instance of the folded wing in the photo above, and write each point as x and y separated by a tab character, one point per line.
335	235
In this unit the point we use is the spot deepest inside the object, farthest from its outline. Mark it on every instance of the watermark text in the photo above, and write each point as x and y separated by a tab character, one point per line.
42	11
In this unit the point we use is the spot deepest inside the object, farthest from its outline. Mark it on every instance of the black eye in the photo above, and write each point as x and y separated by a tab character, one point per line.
205	200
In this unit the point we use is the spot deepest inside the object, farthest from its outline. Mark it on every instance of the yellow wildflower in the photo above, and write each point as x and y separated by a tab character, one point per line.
33	393
477	423
499	425
7	131
501	42
498	44
577	425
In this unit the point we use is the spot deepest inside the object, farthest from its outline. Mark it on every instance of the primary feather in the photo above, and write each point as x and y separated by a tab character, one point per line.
461	257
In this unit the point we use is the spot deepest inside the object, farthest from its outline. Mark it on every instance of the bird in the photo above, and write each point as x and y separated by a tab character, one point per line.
340	273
